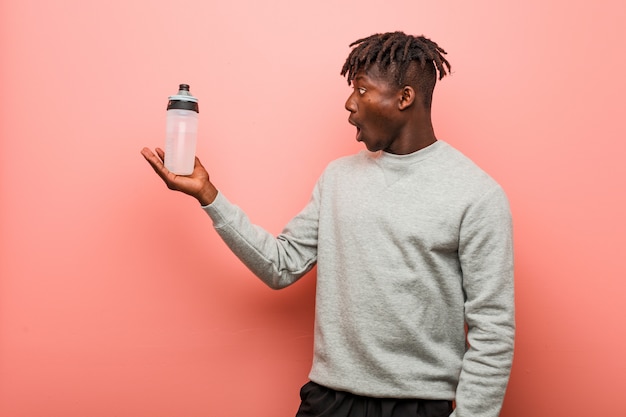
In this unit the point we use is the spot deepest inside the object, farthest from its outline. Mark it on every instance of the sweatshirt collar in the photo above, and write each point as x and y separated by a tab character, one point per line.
391	160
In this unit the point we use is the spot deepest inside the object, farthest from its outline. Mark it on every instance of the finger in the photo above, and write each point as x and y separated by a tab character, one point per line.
146	152
151	157
157	164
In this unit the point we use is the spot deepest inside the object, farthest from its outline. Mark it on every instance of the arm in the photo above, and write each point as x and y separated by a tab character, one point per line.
486	255
278	261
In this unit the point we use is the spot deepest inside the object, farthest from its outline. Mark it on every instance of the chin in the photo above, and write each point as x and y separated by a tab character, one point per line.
373	147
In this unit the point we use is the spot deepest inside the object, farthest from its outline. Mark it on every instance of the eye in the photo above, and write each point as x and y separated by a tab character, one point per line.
361	90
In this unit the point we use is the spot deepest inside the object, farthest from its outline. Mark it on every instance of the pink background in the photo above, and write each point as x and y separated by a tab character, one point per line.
118	299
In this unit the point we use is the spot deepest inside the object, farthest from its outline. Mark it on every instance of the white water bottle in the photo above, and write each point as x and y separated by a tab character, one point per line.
181	132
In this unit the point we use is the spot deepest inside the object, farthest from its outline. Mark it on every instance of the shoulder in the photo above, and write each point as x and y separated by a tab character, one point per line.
459	169
349	163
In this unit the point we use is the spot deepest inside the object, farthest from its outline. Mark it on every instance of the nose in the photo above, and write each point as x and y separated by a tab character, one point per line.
350	105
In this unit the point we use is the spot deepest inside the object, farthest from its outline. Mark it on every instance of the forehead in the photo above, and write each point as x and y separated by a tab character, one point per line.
373	75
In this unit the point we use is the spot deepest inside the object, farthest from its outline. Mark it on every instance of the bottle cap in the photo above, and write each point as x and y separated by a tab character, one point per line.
183	100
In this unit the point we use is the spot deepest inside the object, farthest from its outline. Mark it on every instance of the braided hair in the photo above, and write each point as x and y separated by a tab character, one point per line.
395	54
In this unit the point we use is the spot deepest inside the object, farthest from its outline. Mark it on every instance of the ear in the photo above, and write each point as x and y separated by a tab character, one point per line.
407	97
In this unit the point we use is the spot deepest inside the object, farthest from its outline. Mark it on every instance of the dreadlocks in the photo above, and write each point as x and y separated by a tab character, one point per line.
395	54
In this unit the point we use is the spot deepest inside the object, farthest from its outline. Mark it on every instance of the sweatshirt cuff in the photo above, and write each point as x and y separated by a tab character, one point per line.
220	210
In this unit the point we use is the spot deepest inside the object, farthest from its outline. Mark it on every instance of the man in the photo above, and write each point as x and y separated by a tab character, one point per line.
413	243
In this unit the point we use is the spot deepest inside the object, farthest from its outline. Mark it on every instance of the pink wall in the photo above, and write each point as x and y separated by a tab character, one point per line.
118	299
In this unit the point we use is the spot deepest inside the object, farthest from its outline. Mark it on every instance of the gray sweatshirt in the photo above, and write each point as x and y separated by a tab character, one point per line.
409	250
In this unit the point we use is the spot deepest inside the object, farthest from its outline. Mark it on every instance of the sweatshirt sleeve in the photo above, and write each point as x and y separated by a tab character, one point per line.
278	261
486	255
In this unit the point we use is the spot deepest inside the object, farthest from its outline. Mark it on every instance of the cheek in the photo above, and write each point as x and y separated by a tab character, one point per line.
380	117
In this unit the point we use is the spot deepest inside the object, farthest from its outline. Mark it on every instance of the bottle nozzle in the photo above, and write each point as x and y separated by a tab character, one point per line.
183	90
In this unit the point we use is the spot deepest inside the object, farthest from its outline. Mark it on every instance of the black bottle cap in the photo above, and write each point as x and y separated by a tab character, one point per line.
183	100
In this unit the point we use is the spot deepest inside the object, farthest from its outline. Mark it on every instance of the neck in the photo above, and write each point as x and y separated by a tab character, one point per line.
417	134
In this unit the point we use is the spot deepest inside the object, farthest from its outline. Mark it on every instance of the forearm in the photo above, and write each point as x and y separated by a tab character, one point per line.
486	369
277	261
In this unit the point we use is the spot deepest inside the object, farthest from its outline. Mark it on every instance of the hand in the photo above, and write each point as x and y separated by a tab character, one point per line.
196	185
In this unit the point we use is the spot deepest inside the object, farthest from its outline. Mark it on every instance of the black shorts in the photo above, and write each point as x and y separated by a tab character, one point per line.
319	401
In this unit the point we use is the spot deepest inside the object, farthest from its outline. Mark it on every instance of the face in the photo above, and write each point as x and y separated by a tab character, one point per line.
374	110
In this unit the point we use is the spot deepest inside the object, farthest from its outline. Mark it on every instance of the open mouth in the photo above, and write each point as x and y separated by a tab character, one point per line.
358	129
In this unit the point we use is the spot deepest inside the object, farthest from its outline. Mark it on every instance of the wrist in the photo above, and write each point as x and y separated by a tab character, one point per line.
207	195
